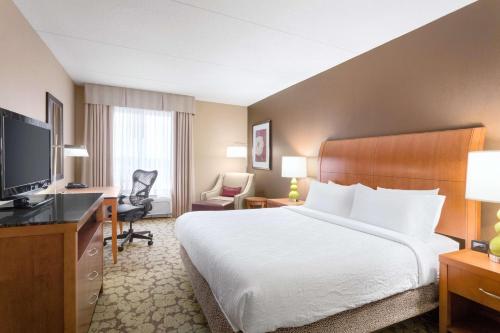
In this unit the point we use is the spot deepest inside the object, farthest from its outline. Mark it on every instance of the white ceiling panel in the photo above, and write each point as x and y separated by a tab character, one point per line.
227	51
353	25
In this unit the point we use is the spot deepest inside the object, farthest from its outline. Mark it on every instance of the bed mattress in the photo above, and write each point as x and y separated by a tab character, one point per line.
291	266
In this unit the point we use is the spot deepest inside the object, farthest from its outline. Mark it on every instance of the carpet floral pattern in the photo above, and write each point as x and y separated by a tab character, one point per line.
149	291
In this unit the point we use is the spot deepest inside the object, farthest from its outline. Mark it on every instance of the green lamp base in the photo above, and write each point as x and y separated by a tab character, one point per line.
495	243
294	194
494	258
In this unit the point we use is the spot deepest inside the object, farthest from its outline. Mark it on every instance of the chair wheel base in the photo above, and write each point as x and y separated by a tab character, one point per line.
104	243
120	248
150	242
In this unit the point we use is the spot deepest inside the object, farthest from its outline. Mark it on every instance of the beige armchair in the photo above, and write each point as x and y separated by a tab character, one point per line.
233	179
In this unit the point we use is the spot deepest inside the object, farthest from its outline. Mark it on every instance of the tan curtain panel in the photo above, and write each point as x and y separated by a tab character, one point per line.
105	95
183	167
141	99
98	167
178	103
97	170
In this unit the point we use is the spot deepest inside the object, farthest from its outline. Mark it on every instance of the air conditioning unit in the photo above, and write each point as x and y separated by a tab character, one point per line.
162	207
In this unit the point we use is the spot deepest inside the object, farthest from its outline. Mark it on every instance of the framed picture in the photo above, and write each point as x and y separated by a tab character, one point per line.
54	110
261	146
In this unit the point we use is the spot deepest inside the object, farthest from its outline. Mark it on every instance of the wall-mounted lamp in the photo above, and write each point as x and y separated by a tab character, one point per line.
236	152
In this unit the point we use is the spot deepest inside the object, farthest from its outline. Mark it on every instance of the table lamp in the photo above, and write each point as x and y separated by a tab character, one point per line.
75	151
483	184
293	167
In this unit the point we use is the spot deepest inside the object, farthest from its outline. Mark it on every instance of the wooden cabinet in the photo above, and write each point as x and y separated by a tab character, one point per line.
51	273
90	271
469	293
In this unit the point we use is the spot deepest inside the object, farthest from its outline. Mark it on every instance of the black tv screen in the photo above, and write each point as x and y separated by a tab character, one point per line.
26	154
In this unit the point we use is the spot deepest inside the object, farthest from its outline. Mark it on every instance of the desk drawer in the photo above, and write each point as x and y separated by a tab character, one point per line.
89	279
474	287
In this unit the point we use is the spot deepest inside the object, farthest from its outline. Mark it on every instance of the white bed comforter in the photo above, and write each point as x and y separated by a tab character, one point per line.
290	266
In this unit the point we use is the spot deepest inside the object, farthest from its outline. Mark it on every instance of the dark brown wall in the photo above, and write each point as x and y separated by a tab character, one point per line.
443	75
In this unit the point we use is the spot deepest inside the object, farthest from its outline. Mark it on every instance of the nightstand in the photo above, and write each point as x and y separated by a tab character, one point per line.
256	202
283	202
469	292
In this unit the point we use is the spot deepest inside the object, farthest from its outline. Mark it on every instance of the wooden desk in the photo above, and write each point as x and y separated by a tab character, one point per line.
111	195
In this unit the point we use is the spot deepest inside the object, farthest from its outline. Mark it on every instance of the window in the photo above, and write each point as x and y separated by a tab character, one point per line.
142	139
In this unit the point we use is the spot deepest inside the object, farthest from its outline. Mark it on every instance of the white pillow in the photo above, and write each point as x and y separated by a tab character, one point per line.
351	186
330	198
433	191
416	215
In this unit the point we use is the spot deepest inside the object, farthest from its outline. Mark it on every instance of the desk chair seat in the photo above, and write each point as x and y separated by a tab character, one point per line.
136	207
124	209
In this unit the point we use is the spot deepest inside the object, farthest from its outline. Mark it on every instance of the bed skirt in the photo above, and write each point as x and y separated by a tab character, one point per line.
367	318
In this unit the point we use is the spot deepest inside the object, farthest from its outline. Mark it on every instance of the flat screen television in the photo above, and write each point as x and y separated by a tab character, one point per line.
24	154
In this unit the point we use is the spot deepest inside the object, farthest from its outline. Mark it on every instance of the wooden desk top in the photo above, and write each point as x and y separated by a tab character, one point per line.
108	192
63	209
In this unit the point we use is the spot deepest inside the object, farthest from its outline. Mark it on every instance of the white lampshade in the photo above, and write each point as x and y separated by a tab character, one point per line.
75	151
236	151
293	166
483	176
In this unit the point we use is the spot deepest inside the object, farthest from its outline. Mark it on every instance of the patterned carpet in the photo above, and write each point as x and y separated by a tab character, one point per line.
148	290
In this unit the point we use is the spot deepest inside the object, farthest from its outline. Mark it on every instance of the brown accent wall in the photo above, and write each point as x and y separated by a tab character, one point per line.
443	75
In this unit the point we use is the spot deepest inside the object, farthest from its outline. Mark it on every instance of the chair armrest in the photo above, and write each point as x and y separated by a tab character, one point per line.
210	194
146	203
215	191
239	199
120	199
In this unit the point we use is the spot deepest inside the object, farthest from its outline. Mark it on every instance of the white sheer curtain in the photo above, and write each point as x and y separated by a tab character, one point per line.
142	139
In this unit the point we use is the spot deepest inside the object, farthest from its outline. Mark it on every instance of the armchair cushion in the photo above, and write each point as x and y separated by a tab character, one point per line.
220	197
228	191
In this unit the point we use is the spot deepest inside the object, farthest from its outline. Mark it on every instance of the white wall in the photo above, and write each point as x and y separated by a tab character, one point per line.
217	126
28	70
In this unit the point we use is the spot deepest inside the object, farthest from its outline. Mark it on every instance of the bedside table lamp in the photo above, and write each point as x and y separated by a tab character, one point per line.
293	167
483	184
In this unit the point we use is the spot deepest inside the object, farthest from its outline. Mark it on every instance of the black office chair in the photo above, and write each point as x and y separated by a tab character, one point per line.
137	208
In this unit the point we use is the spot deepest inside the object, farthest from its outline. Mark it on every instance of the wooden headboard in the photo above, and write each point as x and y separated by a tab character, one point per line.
412	161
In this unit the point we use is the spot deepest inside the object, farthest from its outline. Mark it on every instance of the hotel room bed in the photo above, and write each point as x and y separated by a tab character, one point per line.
292	266
300	270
